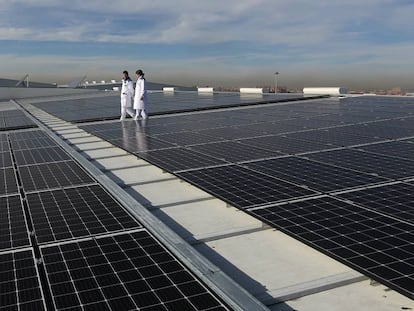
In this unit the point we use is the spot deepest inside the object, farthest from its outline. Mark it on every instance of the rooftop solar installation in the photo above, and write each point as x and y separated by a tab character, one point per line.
79	248
131	271
19	282
364	222
346	148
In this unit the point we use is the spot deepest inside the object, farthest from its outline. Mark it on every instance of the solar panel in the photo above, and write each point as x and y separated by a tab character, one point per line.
370	163
318	176
242	187
333	136
234	151
396	200
5	159
231	132
187	138
8	181
397	149
76	212
40	155
284	144
4	146
374	244
23	135
14	119
13	230
19	282
19	123
177	159
379	129
123	272
33	143
53	175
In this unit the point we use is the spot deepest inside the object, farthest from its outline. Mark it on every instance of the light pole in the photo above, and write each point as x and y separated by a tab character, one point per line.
276	73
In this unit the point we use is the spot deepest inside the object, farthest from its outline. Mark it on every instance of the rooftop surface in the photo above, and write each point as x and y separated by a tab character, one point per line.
305	205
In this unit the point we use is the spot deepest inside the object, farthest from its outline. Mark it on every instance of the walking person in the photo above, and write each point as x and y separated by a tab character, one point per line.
141	97
127	92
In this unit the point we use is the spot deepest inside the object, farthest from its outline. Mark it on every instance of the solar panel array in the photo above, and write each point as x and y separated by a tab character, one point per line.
334	174
108	107
67	244
14	119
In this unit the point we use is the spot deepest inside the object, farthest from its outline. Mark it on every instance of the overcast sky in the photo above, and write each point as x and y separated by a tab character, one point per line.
351	43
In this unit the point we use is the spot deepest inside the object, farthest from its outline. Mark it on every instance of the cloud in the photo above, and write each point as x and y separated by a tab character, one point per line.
282	22
231	38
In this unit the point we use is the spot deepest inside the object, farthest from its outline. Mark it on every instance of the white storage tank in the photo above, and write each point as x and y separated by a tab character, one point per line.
332	91
254	90
168	89
206	89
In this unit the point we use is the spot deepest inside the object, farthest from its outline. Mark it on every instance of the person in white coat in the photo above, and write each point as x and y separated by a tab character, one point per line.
141	97
127	92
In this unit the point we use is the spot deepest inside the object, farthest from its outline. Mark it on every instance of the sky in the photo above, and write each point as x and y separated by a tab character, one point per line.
233	43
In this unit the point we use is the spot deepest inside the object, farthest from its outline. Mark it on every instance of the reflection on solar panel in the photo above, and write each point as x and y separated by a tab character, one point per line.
8	182
53	175
107	107
140	143
375	244
19	283
318	176
370	163
242	187
76	212
124	272
396	200
13	230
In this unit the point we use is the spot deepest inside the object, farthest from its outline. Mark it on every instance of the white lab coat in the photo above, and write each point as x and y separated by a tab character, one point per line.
127	92
140	92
